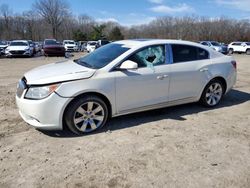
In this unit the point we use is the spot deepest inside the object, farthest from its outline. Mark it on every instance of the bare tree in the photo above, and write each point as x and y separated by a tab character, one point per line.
53	11
6	15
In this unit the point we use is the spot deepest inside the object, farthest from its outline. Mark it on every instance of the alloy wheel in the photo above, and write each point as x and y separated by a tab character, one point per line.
214	94
89	116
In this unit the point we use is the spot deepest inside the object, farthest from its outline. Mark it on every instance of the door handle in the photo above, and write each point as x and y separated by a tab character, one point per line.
204	70
161	77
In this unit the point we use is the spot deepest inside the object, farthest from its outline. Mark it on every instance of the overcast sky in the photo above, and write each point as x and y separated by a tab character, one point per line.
130	12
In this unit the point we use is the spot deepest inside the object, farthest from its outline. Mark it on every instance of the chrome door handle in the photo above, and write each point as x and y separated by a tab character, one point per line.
162	77
204	70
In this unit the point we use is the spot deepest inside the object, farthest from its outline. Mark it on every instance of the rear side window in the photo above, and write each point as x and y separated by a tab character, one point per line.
184	53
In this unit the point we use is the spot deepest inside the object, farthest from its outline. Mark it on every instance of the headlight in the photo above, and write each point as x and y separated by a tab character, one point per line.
40	92
27	49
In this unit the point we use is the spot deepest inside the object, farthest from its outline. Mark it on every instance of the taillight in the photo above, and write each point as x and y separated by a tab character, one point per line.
234	64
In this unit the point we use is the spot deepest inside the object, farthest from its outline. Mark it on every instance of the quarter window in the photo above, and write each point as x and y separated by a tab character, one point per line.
150	56
183	53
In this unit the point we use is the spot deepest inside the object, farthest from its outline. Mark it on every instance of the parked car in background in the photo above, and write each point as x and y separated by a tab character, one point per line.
121	78
51	47
91	46
70	45
239	47
216	46
19	48
38	47
3	46
102	43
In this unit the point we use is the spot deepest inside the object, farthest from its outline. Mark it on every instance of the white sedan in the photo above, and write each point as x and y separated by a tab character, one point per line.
121	78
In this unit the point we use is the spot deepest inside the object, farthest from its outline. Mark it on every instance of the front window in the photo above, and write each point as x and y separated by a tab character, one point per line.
102	56
150	56
18	44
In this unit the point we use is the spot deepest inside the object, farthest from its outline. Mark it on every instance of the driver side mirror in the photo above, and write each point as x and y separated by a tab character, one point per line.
128	65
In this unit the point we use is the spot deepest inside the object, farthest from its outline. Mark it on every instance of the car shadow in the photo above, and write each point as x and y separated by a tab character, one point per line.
233	98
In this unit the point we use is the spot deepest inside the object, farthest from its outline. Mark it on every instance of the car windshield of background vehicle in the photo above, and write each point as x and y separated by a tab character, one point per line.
18	44
51	42
215	43
102	56
3	43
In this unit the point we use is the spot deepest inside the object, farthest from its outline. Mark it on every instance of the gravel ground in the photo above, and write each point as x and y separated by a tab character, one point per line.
184	146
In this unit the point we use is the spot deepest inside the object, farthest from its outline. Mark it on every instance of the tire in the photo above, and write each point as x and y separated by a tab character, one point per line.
248	52
86	115
213	93
230	51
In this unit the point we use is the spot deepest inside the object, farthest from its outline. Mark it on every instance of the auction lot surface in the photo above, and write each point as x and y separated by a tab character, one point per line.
184	146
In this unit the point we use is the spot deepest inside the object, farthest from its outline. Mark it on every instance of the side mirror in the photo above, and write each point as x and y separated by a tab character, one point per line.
128	65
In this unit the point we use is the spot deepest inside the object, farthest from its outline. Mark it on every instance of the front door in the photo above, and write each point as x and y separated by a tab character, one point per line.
145	86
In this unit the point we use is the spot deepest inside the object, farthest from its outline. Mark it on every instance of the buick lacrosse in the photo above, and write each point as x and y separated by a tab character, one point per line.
120	78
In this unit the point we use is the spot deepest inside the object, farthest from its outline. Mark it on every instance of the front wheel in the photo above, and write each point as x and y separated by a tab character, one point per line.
230	51
86	115
212	93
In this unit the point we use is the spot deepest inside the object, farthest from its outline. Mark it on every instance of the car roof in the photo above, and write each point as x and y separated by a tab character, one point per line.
134	43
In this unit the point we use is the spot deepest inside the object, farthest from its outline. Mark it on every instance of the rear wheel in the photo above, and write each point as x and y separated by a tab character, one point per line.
86	115
248	52
212	93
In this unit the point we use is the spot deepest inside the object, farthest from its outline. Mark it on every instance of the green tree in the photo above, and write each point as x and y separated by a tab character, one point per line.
116	34
79	35
97	33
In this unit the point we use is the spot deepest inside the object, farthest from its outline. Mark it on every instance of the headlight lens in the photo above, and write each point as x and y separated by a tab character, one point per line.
40	92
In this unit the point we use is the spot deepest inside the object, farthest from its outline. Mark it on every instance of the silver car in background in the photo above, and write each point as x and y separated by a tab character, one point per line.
216	46
121	78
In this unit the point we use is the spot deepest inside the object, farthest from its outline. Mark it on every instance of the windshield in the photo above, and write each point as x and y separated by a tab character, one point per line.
50	42
92	43
102	56
18	44
69	42
215	43
3	43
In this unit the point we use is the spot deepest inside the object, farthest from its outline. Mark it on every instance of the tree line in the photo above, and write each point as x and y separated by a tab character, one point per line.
53	19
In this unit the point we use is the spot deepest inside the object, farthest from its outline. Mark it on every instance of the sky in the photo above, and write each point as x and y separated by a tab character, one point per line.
133	12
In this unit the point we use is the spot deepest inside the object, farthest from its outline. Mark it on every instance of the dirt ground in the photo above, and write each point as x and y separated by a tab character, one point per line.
184	146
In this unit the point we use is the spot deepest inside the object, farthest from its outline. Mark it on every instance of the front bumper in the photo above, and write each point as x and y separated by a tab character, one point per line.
44	114
18	53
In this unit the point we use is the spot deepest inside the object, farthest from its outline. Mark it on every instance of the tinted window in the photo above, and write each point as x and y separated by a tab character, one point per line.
150	56
50	42
236	44
19	44
183	53
248	43
215	44
102	56
204	43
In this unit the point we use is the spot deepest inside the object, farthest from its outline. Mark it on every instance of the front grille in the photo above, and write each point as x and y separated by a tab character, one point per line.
21	86
17	52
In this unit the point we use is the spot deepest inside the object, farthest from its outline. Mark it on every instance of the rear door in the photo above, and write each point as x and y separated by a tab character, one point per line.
189	71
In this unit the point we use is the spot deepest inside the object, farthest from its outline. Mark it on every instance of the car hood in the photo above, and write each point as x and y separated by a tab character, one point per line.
58	72
17	47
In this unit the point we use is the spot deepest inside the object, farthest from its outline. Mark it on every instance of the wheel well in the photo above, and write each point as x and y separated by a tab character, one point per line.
223	82
103	97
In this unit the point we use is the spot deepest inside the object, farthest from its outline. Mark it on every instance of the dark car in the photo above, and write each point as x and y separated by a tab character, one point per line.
51	47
